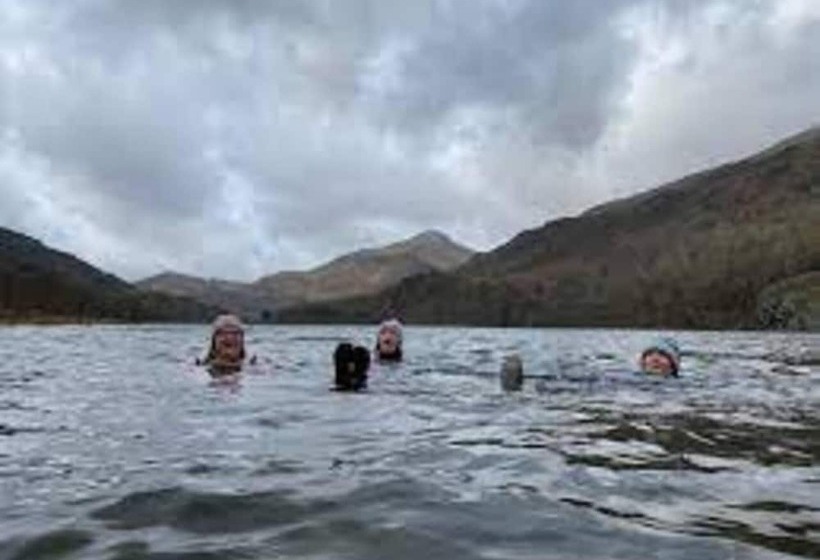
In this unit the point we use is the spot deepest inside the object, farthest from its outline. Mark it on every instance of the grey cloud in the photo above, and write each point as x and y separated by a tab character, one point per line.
234	138
550	65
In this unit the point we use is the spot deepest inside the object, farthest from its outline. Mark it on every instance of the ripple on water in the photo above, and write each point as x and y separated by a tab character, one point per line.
55	544
790	541
138	459
205	513
138	550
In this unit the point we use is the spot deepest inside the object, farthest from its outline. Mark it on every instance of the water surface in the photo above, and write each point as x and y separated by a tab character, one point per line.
114	446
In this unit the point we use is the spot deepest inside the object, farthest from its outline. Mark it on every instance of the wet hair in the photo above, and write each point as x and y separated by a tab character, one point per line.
352	363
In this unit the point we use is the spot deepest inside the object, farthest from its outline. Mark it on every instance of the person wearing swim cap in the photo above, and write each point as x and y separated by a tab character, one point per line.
389	341
661	358
226	354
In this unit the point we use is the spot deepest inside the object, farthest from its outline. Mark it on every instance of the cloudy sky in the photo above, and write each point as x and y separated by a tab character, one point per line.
233	138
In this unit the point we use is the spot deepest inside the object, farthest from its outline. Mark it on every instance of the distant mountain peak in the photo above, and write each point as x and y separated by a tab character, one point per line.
430	239
431	236
363	272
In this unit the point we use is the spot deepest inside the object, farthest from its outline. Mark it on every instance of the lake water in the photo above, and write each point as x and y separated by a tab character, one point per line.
113	446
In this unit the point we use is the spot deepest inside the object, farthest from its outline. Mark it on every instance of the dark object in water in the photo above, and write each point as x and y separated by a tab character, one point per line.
7	430
352	363
512	373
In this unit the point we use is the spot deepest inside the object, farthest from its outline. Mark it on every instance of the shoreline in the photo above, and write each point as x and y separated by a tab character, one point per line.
60	321
57	321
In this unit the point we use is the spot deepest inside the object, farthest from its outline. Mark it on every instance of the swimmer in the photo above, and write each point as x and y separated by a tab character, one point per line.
661	358
389	341
226	354
351	364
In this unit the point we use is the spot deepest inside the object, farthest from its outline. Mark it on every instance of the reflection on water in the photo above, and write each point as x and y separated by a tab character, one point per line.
113	446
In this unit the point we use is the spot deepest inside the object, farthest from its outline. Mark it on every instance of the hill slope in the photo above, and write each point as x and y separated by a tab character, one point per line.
364	272
234	296
368	271
695	253
37	283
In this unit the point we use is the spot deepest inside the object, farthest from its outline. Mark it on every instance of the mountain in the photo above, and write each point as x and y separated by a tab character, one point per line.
708	251
234	296
793	303
39	283
364	272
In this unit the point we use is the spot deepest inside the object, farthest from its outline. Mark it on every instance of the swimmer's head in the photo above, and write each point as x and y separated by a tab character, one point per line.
351	364
389	340
661	358
227	340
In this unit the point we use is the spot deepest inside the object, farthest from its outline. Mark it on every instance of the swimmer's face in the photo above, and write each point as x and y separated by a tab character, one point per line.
388	341
228	344
657	363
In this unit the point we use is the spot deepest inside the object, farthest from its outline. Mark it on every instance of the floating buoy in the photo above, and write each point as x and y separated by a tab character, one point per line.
512	373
